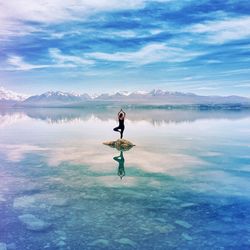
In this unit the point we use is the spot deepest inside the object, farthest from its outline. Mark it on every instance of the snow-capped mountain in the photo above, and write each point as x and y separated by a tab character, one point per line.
10	98
153	97
55	98
161	97
9	95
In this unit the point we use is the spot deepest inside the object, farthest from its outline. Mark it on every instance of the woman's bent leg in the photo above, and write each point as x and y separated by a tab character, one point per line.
116	129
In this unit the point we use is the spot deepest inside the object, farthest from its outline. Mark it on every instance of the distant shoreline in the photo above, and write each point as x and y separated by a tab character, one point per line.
104	105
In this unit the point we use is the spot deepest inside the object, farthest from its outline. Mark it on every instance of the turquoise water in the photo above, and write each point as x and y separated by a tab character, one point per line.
185	185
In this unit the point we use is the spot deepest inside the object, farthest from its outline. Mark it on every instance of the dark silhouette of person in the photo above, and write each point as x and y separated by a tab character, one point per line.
121	117
120	160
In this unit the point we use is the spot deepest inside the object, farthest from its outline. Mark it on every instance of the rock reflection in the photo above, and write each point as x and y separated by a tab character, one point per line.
121	169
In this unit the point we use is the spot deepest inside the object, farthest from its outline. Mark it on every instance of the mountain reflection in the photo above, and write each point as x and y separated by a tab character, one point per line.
121	169
156	117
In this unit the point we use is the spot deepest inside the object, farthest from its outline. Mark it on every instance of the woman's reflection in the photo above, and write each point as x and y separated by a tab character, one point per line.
120	160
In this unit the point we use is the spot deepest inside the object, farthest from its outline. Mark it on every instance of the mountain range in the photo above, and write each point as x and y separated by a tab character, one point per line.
8	97
154	97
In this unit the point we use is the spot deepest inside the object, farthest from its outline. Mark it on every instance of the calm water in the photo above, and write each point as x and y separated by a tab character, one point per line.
186	184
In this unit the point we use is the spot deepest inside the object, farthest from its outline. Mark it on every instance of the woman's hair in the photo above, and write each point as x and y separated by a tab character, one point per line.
121	115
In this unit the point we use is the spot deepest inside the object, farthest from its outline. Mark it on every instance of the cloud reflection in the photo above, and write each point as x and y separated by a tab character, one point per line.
76	158
17	152
98	159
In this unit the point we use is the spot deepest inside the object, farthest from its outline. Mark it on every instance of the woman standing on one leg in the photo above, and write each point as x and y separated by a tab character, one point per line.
121	118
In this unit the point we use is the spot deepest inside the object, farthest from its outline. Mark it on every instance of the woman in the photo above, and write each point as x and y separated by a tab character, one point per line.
121	118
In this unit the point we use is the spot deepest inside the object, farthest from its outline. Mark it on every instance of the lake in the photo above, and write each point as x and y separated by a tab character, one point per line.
185	185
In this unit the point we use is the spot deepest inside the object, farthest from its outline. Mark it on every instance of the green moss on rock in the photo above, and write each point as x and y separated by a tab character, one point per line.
120	144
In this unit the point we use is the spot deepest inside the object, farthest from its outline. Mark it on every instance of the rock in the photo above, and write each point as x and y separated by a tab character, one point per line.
171	199
120	144
102	243
186	236
186	205
183	223
126	241
3	246
11	246
2	199
227	219
59	202
160	220
24	202
165	228
33	223
61	243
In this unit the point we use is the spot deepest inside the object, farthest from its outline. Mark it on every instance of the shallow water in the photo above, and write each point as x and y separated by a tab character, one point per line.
185	185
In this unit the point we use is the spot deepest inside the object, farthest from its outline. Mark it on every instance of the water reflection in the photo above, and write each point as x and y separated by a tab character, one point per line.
187	187
156	117
121	169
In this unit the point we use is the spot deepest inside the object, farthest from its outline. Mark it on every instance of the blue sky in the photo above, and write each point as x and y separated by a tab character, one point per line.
108	45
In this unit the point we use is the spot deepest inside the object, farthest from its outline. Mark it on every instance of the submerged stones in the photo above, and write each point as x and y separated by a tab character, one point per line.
61	243
126	241
186	236
2	199
120	144
24	201
3	246
167	228
102	243
41	201
183	223
33	223
61	239
187	205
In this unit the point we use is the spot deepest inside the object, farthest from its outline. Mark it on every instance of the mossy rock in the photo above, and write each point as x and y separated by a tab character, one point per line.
120	144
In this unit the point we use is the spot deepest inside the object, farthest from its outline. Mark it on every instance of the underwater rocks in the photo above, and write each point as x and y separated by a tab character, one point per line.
126	241
186	236
24	202
33	223
120	144
187	205
167	228
41	201
101	243
3	246
11	246
61	238
2	199
183	223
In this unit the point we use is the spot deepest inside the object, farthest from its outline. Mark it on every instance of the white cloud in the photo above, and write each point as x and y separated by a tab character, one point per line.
60	58
157	52
213	61
235	72
205	88
56	11
17	63
9	28
225	30
124	34
15	13
243	85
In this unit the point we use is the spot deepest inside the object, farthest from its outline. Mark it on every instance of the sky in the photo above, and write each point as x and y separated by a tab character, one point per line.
101	46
